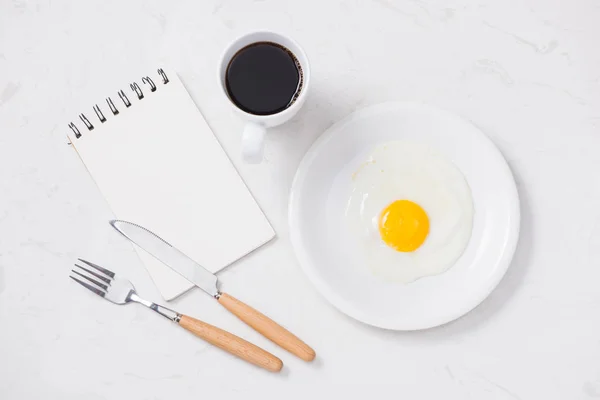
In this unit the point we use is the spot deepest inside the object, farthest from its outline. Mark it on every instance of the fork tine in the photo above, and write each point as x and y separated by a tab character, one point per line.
97	275
99	268
90	279
93	289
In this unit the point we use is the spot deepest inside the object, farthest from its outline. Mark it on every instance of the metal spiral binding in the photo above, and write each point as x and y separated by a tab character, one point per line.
86	121
99	114
146	80
123	97
111	105
75	130
161	72
136	88
150	82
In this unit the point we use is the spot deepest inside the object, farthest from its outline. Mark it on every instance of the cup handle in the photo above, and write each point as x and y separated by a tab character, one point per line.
253	143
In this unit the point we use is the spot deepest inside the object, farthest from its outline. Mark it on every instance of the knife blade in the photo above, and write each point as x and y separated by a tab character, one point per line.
207	281
168	255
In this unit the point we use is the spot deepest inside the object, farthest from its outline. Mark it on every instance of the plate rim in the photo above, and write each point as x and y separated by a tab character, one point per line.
504	261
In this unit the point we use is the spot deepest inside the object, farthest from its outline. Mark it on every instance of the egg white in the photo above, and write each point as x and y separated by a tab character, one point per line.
403	170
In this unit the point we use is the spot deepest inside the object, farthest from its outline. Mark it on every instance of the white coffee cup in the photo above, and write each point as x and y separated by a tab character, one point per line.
253	137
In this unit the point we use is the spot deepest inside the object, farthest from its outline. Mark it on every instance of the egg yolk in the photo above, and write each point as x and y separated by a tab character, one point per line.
403	225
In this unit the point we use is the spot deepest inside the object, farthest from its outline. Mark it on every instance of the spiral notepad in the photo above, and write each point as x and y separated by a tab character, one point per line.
158	164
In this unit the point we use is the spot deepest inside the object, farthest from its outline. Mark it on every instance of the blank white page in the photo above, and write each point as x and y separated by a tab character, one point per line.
159	165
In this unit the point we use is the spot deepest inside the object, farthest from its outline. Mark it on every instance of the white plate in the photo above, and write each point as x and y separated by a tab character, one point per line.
318	199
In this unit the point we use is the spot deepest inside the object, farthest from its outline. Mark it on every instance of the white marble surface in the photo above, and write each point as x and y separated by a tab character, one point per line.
526	71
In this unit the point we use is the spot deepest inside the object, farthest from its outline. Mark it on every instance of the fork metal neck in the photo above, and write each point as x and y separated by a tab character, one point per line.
164	311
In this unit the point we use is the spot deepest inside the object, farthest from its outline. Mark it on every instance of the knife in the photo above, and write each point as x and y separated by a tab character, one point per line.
207	281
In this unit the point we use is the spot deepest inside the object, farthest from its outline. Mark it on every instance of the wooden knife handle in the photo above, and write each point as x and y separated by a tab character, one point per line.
267	327
232	344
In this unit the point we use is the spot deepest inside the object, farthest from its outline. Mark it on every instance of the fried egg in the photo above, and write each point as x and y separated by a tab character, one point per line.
410	210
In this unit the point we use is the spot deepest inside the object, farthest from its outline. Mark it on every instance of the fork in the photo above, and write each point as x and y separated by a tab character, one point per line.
120	291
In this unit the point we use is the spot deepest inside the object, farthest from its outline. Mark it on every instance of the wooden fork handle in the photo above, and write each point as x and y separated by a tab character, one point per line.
267	327
232	344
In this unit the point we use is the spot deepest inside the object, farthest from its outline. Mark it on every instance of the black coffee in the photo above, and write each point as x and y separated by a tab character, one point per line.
263	78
